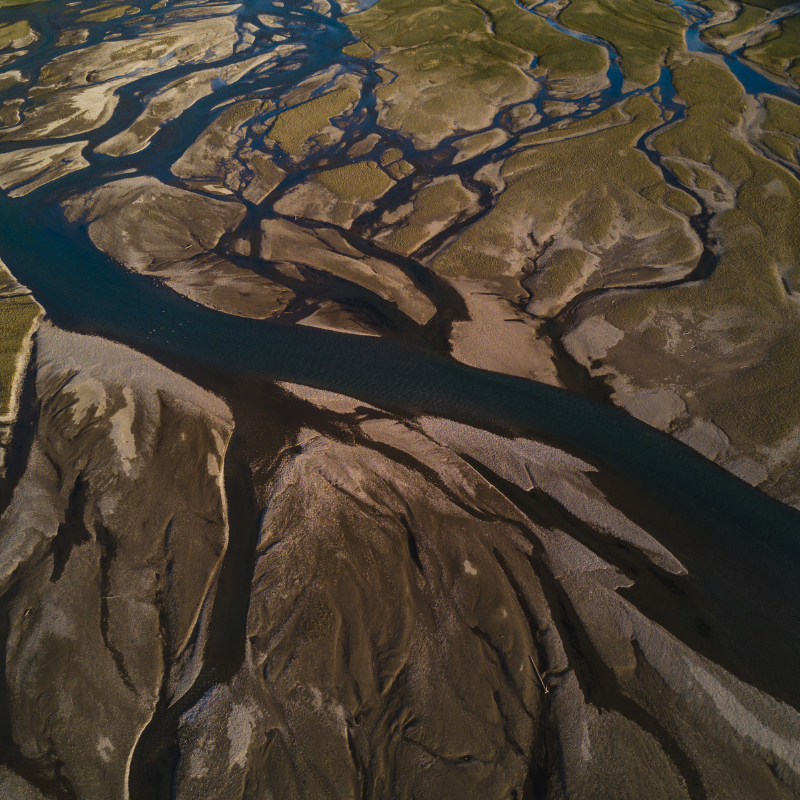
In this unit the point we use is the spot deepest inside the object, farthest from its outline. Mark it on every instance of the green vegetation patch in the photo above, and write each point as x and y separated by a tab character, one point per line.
782	116
10	3
471	146
766	406
770	5
674	198
358	50
781	146
715	6
594	179
293	128
390	156
266	169
782	128
14	32
241	112
715	103
760	259
641	32
453	30
564	269
458	60
144	50
747	19
681	202
360	182
605	119
106	14
18	318
780	50
400	169
434	206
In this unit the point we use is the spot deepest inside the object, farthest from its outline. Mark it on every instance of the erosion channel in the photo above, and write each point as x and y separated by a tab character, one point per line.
327	472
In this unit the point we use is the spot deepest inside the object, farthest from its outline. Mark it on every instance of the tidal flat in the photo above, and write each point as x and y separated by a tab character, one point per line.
399	399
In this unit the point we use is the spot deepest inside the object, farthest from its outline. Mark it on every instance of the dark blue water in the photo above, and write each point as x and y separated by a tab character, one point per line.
613	93
754	82
83	290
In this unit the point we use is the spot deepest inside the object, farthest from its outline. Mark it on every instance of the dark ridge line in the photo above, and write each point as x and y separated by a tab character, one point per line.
428	474
156	755
681	604
72	532
599	684
108	552
57	785
544	749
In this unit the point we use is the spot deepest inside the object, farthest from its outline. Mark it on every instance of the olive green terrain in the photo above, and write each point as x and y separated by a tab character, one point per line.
757	272
643	33
293	128
458	63
19	315
778	52
766	32
583	212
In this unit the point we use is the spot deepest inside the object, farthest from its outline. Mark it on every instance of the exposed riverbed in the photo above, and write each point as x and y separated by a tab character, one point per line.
738	604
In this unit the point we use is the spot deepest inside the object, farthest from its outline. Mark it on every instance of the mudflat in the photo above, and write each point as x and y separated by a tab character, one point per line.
399	399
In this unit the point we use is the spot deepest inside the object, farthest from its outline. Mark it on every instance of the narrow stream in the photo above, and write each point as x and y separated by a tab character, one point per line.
754	81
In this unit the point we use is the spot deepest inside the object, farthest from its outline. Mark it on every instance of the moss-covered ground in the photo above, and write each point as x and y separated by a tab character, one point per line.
780	50
781	129
357	50
457	61
748	18
589	179
294	127
359	182
435	206
106	14
14	32
10	3
750	300
642	32
19	314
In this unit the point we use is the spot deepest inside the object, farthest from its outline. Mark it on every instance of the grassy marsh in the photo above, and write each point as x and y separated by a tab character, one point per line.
357	50
641	32
576	187
748	305
10	3
780	50
781	129
293	128
16	34
435	206
359	182
106	14
457	62
748	18
19	314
